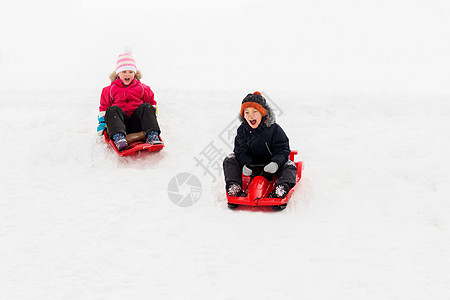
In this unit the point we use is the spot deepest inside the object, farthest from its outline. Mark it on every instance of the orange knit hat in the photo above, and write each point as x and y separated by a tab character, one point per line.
256	101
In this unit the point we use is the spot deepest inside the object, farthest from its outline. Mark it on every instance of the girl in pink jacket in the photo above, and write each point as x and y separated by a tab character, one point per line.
127	105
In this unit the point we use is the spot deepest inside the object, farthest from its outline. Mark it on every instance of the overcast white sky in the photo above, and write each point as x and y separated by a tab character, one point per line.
335	46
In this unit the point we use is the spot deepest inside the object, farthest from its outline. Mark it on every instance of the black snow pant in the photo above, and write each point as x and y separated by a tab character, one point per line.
142	119
232	170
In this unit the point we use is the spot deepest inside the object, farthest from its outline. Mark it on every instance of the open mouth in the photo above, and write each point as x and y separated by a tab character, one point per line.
252	122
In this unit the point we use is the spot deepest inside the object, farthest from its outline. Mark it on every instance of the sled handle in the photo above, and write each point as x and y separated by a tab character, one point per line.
292	154
133	137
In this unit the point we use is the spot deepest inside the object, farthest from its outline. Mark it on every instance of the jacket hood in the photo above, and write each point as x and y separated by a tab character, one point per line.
113	76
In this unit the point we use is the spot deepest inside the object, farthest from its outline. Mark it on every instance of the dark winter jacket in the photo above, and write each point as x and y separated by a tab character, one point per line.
266	143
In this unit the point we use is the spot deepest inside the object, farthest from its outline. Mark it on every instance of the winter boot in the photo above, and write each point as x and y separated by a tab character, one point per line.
280	191
153	138
120	141
234	189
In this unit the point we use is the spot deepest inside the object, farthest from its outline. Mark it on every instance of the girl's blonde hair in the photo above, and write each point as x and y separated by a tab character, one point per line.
113	75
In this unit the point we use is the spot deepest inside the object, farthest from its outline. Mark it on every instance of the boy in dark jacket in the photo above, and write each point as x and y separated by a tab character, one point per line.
259	140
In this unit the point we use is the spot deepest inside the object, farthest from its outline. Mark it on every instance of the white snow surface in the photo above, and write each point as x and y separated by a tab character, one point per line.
363	91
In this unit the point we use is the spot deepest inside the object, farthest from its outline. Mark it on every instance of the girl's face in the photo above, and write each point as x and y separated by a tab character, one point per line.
253	117
127	77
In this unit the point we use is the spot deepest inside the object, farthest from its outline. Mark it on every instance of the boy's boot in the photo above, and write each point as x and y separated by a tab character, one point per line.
234	189
280	191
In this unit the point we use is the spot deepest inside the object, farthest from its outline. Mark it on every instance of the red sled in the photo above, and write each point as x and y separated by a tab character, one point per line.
136	142
259	187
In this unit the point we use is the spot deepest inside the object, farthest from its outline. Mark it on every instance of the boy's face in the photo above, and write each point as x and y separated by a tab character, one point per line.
252	116
127	77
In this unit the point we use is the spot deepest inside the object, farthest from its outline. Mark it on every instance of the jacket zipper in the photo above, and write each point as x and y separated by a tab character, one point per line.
268	149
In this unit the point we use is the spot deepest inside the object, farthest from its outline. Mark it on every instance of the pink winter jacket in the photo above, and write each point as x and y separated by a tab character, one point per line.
126	97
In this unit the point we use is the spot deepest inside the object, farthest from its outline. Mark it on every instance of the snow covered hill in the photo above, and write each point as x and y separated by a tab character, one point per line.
369	116
370	219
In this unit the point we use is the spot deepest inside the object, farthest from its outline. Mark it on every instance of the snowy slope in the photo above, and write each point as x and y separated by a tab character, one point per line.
370	219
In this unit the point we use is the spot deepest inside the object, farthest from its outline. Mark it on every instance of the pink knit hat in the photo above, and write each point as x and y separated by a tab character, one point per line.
125	62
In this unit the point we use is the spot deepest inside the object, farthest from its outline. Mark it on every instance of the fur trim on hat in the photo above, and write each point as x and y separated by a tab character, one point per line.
114	76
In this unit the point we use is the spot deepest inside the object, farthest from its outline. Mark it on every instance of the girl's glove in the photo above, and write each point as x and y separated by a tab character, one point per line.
101	123
246	171
271	167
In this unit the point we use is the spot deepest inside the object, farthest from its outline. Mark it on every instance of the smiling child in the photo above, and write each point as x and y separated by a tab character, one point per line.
127	105
259	140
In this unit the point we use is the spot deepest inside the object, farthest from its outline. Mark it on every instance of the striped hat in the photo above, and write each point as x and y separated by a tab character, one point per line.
125	62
